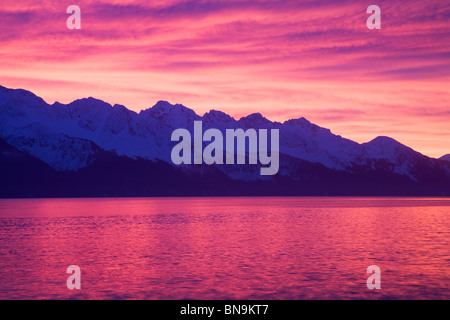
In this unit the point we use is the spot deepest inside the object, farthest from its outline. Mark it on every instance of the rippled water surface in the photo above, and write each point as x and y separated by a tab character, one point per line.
225	248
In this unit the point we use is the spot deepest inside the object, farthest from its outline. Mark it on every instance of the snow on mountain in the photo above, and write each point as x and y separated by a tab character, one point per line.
302	139
256	120
26	118
392	151
65	136
61	152
218	119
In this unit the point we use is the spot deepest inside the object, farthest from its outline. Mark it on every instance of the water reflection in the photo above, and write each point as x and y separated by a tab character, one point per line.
225	248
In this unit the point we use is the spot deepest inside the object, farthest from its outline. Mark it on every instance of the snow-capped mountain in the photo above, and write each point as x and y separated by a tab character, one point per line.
68	138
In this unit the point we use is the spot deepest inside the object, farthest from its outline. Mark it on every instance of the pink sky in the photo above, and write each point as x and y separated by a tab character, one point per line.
284	59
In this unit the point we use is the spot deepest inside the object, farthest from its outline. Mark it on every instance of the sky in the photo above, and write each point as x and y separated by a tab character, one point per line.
284	59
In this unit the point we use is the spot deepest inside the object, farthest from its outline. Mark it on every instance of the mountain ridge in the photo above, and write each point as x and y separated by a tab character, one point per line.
69	138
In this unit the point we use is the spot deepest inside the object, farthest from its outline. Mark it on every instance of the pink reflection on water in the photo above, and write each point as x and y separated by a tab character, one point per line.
224	248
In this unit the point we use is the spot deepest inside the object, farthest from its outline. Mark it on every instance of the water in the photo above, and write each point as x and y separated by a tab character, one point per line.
225	248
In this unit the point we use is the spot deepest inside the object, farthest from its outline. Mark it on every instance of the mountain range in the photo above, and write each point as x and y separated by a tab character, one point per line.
91	148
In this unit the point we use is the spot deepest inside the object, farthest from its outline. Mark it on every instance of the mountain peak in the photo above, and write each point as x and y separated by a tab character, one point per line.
162	104
445	157
384	142
120	107
384	139
255	119
88	105
217	116
171	113
298	122
22	95
383	147
166	107
90	101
